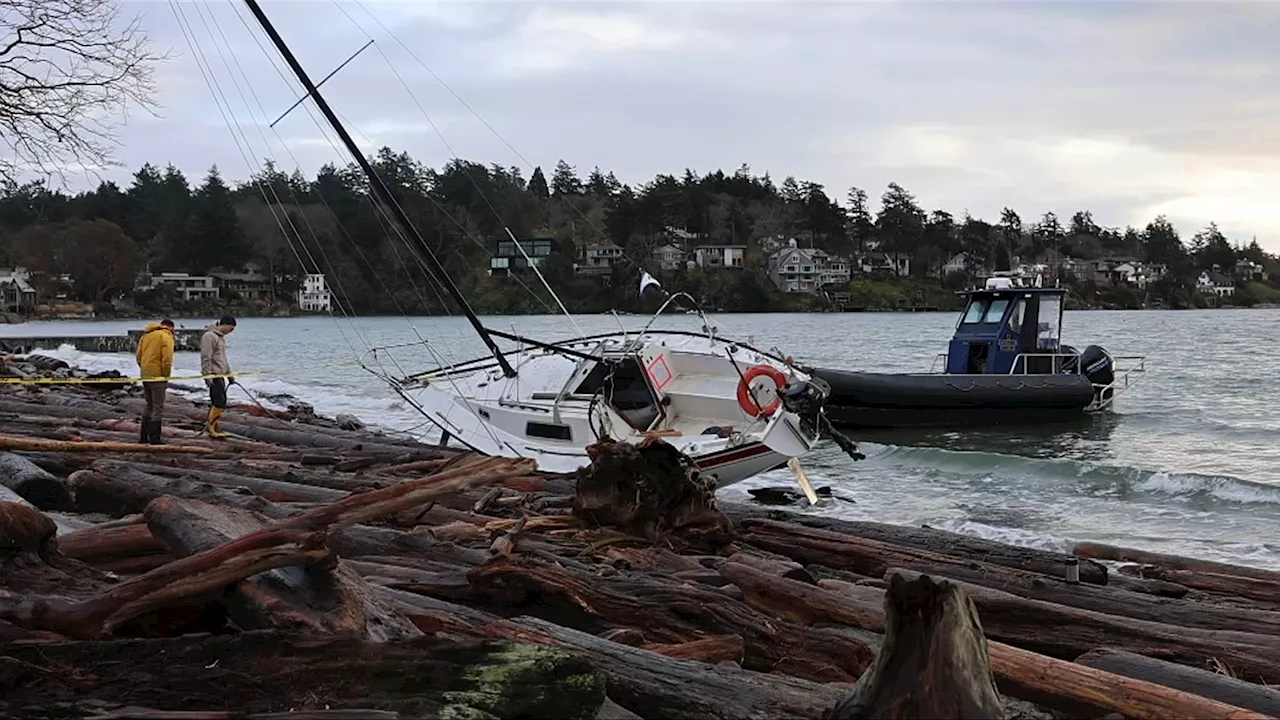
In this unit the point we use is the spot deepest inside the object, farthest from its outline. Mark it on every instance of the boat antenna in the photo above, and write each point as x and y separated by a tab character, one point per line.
379	189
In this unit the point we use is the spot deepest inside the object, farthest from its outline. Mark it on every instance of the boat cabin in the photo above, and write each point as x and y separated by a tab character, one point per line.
1006	329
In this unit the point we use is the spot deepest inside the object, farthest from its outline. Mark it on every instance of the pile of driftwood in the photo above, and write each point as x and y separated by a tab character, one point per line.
302	570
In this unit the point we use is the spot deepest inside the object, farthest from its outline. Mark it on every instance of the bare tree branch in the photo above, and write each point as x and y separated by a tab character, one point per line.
69	72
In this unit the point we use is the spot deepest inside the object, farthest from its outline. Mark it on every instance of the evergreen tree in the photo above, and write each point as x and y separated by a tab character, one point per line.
214	238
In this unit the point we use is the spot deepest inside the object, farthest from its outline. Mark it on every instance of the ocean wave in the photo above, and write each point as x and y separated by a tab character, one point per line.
1086	477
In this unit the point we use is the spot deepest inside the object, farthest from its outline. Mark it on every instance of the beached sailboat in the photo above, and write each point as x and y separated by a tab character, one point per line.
734	410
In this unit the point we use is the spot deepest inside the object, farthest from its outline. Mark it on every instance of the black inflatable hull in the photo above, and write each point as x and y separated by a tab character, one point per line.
880	400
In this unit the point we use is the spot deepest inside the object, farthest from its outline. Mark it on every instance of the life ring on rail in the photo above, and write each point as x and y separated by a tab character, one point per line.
745	399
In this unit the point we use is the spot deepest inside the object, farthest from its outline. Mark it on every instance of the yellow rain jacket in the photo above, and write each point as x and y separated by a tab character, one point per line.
155	351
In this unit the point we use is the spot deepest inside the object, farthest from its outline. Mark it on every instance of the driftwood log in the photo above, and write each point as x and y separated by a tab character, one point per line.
271	673
33	483
928	540
1213	685
1172	562
1066	632
872	558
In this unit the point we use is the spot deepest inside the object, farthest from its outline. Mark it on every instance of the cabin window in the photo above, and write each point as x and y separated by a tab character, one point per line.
977	308
996	311
551	431
1015	317
1050	327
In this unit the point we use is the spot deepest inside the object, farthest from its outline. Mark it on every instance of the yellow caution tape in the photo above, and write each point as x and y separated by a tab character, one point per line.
91	381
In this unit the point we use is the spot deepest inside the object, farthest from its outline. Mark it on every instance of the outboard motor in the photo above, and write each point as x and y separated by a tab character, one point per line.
806	399
1096	365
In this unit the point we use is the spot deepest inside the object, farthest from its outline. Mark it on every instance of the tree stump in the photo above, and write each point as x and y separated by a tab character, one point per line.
933	662
650	490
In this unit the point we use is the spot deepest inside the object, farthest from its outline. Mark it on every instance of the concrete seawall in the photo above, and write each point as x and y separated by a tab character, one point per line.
183	341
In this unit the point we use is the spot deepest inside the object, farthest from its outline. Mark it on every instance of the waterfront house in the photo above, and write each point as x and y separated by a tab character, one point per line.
509	260
314	294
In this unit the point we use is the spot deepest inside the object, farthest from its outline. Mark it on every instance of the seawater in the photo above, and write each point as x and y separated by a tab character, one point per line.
1187	462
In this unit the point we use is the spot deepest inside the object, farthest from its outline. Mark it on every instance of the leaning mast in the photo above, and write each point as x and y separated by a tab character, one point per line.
380	190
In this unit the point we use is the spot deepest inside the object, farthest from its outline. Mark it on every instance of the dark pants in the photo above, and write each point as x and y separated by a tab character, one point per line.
154	393
218	392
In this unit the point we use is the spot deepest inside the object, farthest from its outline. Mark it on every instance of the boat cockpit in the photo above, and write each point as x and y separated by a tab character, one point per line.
1008	329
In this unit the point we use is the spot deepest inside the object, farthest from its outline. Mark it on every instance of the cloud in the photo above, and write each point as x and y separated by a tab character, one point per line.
1126	109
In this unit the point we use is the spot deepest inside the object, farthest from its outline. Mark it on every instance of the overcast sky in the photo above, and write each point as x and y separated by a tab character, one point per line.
1129	110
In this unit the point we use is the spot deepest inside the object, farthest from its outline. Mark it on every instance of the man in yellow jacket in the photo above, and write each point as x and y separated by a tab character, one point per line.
155	360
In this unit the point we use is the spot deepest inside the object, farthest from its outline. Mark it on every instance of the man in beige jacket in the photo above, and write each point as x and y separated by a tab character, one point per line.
213	361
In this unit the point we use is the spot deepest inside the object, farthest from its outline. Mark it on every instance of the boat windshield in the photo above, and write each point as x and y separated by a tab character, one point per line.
996	311
977	308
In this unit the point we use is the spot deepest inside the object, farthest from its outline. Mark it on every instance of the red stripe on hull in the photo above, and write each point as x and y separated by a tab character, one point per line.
731	456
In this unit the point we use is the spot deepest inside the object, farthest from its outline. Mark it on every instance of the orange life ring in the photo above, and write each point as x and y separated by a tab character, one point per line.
745	399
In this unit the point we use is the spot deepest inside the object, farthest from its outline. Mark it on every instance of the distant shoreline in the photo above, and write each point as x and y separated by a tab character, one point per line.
153	318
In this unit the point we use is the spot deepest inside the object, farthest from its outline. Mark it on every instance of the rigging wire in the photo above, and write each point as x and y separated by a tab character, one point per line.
465	171
379	213
215	89
400	232
345	296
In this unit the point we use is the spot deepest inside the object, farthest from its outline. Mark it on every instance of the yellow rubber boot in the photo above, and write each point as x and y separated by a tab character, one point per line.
214	414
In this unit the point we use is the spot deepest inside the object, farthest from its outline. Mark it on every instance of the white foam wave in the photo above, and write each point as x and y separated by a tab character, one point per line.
1012	536
1221	488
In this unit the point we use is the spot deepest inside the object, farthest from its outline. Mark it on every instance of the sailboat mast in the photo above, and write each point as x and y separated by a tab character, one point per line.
379	189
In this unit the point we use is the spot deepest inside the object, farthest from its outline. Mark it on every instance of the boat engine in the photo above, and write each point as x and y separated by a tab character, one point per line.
806	399
1096	365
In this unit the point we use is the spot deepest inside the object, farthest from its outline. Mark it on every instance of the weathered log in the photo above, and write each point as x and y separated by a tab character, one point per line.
260	468
34	484
802	602
929	540
21	443
861	555
669	613
124	491
25	529
1212	685
1067	632
330	600
110	543
656	686
1172	562
261	672
175	582
933	662
274	490
1112	601
721	648
652	491
773	566
1018	672
1159	588
1232	585
1081	686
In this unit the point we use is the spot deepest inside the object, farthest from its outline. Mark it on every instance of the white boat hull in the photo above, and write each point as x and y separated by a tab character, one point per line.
681	387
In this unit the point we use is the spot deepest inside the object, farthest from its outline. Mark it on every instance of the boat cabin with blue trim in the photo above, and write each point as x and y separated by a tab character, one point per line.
1006	328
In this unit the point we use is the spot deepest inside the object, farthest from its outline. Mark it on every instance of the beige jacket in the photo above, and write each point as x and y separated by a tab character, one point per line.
213	353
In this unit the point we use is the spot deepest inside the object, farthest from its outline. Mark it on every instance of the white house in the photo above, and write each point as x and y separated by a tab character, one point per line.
799	270
16	291
720	256
314	295
669	257
185	285
894	263
599	258
1212	282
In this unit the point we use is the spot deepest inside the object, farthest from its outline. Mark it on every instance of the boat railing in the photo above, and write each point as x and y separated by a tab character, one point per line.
1059	359
1126	370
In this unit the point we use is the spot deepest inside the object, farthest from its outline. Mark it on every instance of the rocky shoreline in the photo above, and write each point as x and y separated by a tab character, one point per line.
308	568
